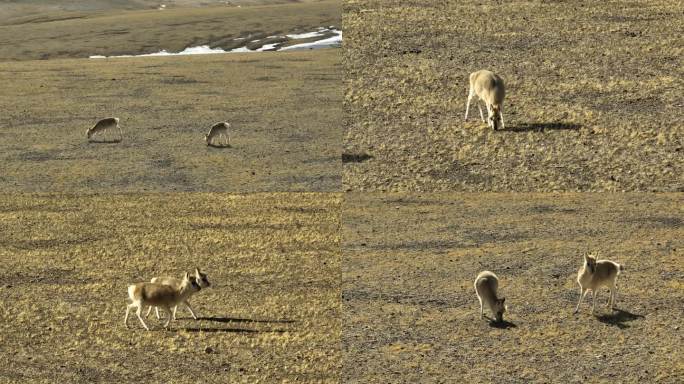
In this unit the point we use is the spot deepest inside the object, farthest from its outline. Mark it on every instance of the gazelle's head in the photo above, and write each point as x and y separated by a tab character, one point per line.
499	309
206	138
494	119
201	279
590	262
89	133
189	284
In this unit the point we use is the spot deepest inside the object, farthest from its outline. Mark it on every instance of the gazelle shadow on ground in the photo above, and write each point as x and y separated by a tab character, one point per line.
619	318
105	141
219	319
232	330
229	320
503	324
219	146
541	127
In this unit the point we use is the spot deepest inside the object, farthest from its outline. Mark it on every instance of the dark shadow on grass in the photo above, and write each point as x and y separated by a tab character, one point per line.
220	146
232	330
355	157
111	141
541	127
503	324
219	330
618	318
239	320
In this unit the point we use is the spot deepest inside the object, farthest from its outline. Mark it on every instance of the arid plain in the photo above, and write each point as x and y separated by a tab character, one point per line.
410	313
284	107
271	314
593	96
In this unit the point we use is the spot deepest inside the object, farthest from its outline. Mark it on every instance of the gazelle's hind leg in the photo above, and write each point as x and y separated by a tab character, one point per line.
481	307
479	106
120	133
138	312
169	316
128	309
149	309
471	93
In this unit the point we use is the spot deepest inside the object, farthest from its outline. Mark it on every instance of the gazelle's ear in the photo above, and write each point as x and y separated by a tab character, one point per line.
186	277
197	271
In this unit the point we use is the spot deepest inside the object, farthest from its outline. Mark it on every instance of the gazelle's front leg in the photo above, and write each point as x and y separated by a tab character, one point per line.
481	114
503	126
190	309
583	292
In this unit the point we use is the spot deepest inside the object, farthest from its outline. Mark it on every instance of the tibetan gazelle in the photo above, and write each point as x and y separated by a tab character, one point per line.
200	278
218	130
486	286
489	88
595	274
102	126
159	295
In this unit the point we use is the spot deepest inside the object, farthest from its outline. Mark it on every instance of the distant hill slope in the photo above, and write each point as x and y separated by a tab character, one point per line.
56	33
14	8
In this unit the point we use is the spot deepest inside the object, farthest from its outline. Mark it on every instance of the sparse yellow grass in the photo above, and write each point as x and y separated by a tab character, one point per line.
592	104
273	259
410	313
284	108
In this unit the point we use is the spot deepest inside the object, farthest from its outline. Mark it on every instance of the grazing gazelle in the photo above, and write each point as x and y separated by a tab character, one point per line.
489	88
595	274
486	285
102	126
200	278
218	130
159	295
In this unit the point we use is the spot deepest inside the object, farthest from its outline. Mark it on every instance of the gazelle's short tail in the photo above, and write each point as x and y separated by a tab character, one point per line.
621	267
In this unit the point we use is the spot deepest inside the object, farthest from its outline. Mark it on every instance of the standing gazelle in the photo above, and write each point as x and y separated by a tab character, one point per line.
102	126
159	295
200	278
486	286
489	88
218	130
595	274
